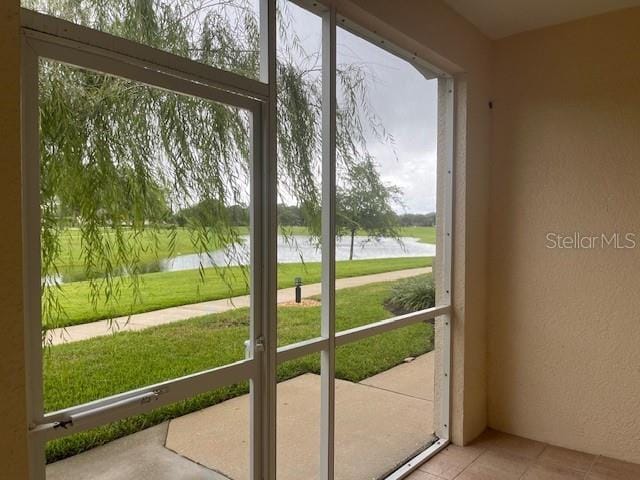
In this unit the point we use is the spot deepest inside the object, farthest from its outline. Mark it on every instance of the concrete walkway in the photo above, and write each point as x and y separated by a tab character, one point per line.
379	423
138	456
142	321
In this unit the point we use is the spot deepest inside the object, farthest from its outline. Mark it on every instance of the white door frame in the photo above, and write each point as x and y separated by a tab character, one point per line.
58	40
54	39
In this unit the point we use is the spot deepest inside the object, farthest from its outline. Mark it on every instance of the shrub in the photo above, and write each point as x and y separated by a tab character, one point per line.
412	294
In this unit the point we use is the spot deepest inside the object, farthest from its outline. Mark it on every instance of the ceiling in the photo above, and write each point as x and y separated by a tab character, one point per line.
501	18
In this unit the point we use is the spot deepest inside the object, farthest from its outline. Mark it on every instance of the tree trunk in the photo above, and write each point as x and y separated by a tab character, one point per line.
353	234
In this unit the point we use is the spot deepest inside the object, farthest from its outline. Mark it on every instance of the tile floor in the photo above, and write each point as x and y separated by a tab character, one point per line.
499	456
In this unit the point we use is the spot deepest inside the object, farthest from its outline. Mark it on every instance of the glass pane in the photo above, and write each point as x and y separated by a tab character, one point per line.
299	254
221	34
300	173
386	177
204	437
384	402
144	234
298	420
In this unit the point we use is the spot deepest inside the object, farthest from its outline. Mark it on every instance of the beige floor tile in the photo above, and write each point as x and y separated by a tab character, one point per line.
566	458
552	472
523	447
466	451
495	465
610	469
445	466
500	456
422	476
451	461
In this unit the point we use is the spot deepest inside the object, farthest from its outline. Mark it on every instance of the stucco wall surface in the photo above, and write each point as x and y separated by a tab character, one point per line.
13	456
563	325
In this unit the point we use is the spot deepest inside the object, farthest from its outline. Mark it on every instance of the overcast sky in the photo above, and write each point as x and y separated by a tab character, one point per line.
405	102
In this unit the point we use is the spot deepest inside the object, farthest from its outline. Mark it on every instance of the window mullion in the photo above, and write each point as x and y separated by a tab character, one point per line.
328	328
265	459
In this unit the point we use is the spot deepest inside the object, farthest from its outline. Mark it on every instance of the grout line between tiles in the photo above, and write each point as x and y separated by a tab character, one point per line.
593	463
525	471
546	445
533	461
468	466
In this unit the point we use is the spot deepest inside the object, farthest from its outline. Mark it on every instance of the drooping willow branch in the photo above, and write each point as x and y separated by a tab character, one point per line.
119	159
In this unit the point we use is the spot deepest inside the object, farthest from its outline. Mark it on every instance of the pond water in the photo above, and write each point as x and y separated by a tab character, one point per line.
291	249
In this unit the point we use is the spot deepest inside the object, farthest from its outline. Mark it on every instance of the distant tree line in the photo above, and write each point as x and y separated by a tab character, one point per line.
417	219
208	213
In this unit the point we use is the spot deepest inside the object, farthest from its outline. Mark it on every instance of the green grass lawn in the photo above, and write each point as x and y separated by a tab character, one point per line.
423	234
155	245
83	371
168	289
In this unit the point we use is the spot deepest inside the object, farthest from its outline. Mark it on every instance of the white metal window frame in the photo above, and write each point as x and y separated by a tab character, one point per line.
52	38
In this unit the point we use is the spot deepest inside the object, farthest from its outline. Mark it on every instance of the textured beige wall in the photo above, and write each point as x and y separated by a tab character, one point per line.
437	33
13	457
564	325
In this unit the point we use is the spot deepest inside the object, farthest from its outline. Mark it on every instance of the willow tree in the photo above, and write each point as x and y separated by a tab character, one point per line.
118	158
365	203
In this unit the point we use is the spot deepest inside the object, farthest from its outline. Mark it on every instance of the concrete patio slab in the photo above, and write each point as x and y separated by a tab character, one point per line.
414	378
375	430
142	321
138	456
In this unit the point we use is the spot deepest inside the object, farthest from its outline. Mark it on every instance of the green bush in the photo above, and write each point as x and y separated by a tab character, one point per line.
412	294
